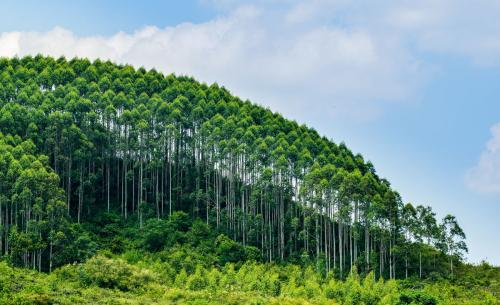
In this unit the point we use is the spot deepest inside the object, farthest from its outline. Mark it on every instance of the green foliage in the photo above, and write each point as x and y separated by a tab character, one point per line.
228	250
107	273
138	158
112	148
191	195
112	280
416	298
157	234
198	280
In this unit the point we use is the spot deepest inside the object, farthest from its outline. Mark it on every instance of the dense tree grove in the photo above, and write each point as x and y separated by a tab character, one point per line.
84	138
33	216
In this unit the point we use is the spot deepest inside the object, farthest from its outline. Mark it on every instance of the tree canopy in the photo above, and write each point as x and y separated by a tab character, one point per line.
85	140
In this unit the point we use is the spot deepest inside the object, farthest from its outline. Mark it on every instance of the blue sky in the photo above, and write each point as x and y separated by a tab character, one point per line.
413	86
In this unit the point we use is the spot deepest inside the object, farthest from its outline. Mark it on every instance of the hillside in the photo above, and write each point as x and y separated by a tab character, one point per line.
103	158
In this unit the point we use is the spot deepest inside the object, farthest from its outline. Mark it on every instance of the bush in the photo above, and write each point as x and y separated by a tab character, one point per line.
133	256
156	235
416	298
333	290
113	273
180	221
228	250
201	235
181	279
6	275
198	280
252	253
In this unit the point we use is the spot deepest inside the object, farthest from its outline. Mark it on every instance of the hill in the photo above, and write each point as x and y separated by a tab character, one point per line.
98	157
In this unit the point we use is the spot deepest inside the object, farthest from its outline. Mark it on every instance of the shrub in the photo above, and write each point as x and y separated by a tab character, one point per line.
113	273
156	235
198	280
181	279
228	250
333	290
416	298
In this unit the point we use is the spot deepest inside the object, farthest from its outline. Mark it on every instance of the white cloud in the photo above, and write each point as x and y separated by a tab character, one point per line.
485	176
451	27
317	68
310	60
9	43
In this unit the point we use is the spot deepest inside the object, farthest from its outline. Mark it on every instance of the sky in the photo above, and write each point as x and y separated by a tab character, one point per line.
411	85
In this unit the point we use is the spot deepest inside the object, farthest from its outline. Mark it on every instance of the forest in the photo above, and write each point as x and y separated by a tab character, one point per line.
127	186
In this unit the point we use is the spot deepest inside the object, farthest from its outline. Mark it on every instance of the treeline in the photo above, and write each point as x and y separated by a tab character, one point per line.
144	145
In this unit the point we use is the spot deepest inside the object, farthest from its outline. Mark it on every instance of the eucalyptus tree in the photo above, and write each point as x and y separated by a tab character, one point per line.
142	144
427	229
32	203
452	239
410	225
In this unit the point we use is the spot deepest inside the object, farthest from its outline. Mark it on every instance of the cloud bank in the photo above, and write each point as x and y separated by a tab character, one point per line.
485	176
276	58
309	59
